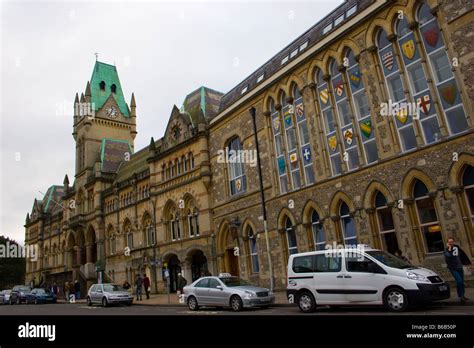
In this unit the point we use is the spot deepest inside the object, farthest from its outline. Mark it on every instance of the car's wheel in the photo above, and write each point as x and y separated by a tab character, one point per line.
26	301
265	307
36	301
18	300
105	303
395	300
306	302
89	302
10	301
129	303
236	303
192	303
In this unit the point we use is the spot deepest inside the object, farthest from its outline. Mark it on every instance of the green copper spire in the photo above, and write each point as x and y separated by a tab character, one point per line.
104	77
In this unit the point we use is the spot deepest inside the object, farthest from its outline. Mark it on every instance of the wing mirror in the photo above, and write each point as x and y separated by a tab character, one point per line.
219	287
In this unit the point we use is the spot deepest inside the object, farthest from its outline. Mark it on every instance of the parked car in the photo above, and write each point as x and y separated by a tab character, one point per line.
107	294
40	295
18	294
226	291
360	276
5	296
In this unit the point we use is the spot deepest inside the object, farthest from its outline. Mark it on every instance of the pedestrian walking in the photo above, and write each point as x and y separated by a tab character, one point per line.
181	283
146	285
138	287
77	290
456	258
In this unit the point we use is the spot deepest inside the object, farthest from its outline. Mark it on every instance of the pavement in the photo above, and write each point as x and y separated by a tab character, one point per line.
280	299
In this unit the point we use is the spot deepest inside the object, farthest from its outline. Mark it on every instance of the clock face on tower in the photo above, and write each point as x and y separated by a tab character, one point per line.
111	112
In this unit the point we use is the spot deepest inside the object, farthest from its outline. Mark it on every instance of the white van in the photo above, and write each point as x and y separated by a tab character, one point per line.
360	276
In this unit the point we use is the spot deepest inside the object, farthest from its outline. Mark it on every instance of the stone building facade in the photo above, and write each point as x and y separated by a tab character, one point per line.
364	127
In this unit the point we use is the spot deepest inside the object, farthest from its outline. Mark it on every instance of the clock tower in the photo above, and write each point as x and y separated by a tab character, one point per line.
101	114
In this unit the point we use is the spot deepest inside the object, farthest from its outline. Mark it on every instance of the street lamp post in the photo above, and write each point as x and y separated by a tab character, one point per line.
154	245
262	197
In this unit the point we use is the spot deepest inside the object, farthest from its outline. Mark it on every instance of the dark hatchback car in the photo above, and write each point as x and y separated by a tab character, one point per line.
18	294
40	295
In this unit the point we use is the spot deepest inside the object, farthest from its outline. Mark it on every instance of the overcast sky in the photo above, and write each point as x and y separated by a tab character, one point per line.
162	50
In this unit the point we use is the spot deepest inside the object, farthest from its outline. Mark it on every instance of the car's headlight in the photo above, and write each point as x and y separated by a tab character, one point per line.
250	293
416	276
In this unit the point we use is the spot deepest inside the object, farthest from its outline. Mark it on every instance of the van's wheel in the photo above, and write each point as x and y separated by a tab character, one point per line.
104	302
193	304
236	303
306	302
395	300
89	302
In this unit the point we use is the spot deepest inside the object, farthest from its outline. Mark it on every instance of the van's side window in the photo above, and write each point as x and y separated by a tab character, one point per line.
303	264
327	263
357	263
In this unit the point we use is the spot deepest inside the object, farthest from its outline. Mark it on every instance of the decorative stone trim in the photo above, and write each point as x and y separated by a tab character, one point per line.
392	37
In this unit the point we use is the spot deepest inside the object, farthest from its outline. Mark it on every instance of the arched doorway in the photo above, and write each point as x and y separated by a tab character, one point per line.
91	246
228	249
174	267
81	250
198	265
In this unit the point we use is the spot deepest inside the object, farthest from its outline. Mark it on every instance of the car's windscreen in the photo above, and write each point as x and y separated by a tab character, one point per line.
41	291
234	281
389	259
112	288
24	289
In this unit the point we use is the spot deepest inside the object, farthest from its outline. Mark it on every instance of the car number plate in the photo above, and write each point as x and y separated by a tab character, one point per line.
443	288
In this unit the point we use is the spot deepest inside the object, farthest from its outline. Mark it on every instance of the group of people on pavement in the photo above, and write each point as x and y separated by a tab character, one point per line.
140	284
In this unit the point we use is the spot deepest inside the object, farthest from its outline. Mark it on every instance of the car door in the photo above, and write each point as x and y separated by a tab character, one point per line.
328	278
94	293
201	291
364	280
218	295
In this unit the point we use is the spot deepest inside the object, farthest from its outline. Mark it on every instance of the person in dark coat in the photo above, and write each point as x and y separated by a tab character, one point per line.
146	285
455	259
77	289
138	287
181	283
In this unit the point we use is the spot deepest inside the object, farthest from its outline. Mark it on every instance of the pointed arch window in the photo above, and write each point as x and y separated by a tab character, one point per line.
292	142
439	64
418	83
291	237
325	104
253	248
468	183
319	235
429	225
129	234
102	85
348	225
395	85
236	158
385	224
364	125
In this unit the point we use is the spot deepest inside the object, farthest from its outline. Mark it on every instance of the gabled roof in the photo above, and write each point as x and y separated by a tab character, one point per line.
112	153
203	98
109	75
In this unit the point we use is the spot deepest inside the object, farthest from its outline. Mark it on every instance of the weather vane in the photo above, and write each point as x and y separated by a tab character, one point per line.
96	56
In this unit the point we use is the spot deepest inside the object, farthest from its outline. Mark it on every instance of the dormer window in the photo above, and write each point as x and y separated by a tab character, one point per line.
113	88
102	85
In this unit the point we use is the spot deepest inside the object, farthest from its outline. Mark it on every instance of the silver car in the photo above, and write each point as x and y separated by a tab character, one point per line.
107	294
226	291
5	296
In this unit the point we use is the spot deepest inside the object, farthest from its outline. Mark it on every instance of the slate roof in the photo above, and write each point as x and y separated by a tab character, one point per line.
204	98
137	164
107	73
112	153
312	36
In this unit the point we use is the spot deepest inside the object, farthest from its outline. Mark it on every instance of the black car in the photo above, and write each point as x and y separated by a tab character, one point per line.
18	294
